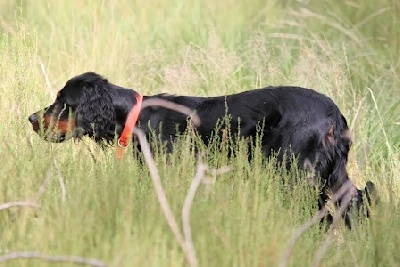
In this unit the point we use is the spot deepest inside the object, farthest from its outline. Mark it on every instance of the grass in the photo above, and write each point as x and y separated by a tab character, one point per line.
347	50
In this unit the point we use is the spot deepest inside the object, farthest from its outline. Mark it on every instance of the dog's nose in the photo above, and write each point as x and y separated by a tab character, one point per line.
32	118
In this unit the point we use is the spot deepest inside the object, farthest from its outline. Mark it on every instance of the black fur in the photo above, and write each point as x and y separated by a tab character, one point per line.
295	121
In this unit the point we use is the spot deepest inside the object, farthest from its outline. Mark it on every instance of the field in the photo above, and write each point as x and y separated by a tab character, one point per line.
91	205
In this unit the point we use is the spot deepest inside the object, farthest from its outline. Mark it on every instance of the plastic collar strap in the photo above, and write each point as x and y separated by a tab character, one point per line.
123	140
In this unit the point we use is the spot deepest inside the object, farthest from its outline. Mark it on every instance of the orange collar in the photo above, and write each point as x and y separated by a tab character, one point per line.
123	140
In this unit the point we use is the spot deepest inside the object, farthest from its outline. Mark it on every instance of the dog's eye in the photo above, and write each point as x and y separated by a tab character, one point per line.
58	107
63	108
60	99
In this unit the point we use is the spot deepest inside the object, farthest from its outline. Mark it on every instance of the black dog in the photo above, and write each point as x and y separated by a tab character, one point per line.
292	120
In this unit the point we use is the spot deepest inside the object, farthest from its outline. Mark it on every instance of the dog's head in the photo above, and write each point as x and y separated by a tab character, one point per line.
364	199
83	107
326	156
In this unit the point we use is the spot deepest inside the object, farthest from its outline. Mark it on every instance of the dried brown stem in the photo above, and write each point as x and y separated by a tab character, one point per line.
184	239
62	183
345	189
46	77
171	105
8	205
343	206
187	205
33	202
63	259
43	187
155	177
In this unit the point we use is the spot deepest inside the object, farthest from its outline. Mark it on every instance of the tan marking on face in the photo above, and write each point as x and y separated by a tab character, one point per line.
59	126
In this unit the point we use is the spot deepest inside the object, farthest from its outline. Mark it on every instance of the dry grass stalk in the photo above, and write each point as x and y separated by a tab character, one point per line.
15	255
62	183
328	240
43	187
8	205
34	200
184	238
345	191
46	77
170	105
59	259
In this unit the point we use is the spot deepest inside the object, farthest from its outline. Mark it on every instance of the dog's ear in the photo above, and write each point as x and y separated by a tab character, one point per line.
329	136
366	199
95	114
371	193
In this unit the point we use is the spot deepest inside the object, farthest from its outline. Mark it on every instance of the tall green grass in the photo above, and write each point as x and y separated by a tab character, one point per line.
347	50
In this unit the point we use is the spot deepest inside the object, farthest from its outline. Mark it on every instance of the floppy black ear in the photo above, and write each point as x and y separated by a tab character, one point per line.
330	136
366	198
371	193
95	112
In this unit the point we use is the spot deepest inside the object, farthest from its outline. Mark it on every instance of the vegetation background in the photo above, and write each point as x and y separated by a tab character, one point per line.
349	50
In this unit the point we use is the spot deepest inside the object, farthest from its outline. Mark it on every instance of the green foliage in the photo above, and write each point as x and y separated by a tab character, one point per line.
347	50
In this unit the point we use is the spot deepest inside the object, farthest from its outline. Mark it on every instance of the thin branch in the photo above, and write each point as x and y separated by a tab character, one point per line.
343	206
220	171
299	232
8	205
381	124
43	187
171	105
33	202
63	259
62	183
344	189
184	239
355	116
46	77
161	196
187	205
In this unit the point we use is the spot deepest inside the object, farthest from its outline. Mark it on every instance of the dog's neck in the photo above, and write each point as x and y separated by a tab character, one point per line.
130	123
123	101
